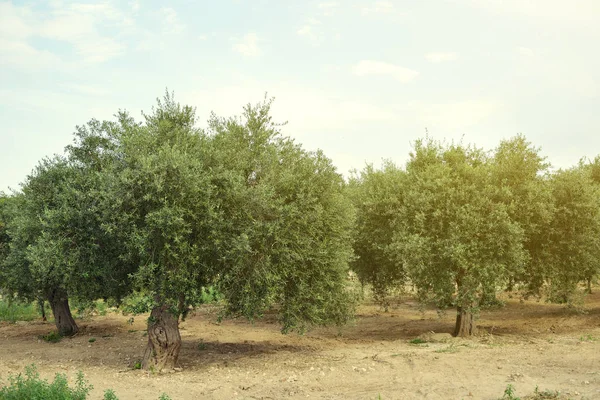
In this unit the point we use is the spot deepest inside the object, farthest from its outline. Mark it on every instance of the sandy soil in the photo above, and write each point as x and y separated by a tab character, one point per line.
524	344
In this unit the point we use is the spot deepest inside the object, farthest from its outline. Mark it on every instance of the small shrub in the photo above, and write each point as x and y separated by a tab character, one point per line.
137	303
13	311
109	394
510	393
52	337
32	387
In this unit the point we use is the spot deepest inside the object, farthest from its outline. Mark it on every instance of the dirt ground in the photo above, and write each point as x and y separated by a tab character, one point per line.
524	344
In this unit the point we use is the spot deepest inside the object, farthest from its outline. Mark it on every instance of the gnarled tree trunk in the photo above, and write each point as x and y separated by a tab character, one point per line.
59	302
465	323
164	340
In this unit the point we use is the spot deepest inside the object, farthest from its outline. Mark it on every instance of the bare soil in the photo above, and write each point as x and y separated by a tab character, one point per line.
526	344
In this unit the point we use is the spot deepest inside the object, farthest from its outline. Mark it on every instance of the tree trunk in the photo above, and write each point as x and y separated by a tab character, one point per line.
465	323
164	340
42	309
589	285
59	302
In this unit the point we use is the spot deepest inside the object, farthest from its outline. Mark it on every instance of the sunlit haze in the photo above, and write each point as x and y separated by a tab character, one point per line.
359	79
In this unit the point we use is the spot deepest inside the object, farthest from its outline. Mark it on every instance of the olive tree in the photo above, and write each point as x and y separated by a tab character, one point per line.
240	208
447	229
574	232
29	270
377	196
521	175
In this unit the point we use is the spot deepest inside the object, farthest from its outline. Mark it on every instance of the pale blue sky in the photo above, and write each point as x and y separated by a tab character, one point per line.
359	79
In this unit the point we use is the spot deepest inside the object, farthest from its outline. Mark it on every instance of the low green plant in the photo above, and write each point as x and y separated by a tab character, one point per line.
417	341
31	386
136	303
13	311
510	393
109	394
202	345
52	337
92	340
588	338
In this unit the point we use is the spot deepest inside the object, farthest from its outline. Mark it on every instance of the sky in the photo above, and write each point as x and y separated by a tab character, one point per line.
359	79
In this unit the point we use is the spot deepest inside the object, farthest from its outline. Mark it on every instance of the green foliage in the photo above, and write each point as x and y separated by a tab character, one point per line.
52	337
574	233
509	393
417	341
451	235
109	394
377	196
31	386
13	311
137	303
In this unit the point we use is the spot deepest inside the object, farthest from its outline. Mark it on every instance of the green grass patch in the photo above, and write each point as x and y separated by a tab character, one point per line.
510	393
29	386
52	337
588	338
417	341
13	311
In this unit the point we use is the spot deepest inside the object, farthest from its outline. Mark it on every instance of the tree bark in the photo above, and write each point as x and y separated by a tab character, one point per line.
59	302
164	340
465	323
42	309
589	285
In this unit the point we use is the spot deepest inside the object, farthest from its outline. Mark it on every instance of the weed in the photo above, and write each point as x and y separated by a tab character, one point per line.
510	393
52	337
202	346
13	311
417	341
32	387
109	394
588	338
137	365
448	349
91	340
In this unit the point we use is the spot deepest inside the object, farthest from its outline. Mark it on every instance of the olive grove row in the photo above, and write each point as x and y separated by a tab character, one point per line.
164	207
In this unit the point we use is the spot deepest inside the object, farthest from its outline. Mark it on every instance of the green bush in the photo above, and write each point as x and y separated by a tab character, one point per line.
52	337
13	311
33	387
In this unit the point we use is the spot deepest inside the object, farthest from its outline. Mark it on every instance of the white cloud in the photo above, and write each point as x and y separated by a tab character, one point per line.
370	67
135	5
22	55
454	117
248	45
328	8
379	7
525	51
78	25
309	30
438	57
171	24
576	11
